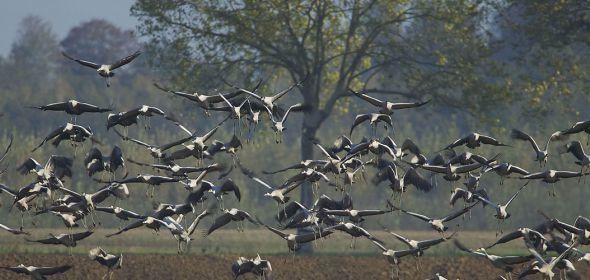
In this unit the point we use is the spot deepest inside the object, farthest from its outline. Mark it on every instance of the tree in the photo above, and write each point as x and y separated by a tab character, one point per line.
32	56
545	46
335	44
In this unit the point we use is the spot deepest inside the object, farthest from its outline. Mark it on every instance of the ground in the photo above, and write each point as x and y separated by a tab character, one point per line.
154	256
284	267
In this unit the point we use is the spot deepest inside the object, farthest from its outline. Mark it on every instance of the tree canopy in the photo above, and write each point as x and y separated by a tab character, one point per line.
408	49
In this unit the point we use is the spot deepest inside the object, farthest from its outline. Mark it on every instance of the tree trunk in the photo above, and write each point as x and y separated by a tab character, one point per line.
309	130
312	119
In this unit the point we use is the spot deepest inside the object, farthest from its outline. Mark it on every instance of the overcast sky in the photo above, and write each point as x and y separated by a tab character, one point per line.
62	15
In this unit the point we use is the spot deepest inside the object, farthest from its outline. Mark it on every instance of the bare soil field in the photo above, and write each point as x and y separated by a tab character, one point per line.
284	267
147	255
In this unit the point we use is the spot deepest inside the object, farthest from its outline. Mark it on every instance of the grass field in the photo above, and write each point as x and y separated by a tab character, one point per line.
251	241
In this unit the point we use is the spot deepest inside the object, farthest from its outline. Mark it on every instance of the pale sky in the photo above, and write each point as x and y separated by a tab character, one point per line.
62	15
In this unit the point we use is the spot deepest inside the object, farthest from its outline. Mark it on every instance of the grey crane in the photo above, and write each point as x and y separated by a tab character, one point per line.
231	147
373	119
300	216
209	211
205	101
350	175
342	143
70	219
181	234
105	70
228	216
130	117
474	140
156	151
149	222
551	176
354	231
96	162
466	158
83	203
438	224
541	265
581	228
254	117
325	202
235	111
576	149
219	190
196	148
194	184
583	126
58	166
382	166
256	266
22	204
348	168
302	165
501	212
164	210
541	155
394	257
355	216
468	196
279	124
451	172
68	240
89	201
373	146
389	142
334	163
309	175
418	157
30	190
294	241
151	180
13	231
506	263
277	194
270	101
437	276
119	191
294	211
69	131
558	245
72	107
421	245
505	169
119	212
386	107
110	261
38	272
472	181
532	234
176	170
411	177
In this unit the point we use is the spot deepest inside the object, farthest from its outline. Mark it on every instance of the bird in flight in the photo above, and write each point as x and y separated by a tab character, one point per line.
105	70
